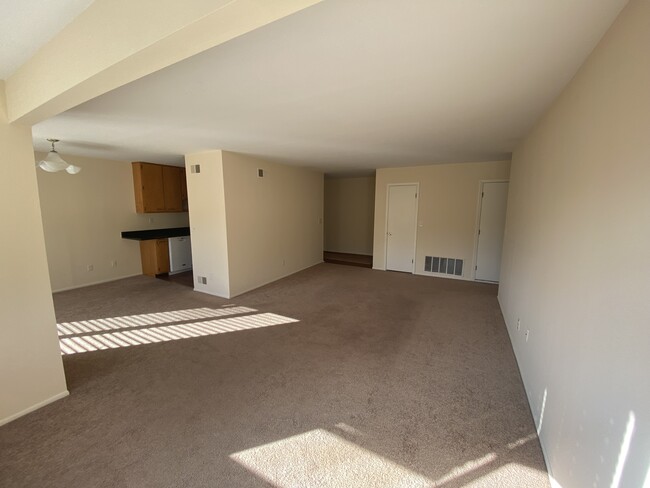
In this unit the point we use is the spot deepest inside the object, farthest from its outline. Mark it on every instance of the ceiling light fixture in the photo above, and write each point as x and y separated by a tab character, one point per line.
53	162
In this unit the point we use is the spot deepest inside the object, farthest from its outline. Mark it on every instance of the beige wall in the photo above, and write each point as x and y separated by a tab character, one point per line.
349	214
274	223
31	370
447	209
114	42
205	191
576	261
83	216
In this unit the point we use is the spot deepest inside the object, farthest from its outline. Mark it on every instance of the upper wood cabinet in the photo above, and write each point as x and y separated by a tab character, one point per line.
171	176
159	188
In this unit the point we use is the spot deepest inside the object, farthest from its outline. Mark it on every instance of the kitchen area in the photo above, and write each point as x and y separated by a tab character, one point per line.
165	253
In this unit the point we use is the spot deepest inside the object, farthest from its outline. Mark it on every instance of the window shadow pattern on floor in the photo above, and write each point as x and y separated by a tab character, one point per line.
134	330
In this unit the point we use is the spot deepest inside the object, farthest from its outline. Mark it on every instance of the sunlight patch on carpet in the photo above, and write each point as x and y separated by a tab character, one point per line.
466	468
319	458
128	321
151	335
513	475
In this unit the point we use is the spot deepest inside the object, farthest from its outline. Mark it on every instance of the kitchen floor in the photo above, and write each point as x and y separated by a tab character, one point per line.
186	278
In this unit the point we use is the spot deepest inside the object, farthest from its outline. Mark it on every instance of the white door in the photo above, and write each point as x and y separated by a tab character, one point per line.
490	235
400	235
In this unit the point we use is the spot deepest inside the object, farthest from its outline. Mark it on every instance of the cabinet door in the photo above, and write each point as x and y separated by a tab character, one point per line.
172	190
154	254
148	187
162	256
148	256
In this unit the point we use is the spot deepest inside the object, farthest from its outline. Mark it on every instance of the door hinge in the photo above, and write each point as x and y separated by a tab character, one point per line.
479	232
475	268
416	194
482	194
411	261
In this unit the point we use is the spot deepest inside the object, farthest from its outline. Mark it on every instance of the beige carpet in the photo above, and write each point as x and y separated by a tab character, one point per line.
334	377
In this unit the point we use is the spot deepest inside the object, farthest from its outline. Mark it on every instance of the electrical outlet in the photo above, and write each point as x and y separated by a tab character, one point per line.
527	334
518	324
151	220
90	267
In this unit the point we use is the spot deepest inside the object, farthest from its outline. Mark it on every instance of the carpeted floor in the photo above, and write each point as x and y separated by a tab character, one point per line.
385	380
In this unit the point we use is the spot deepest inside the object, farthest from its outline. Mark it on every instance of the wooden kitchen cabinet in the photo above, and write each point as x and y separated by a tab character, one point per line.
148	188
158	188
172	188
155	256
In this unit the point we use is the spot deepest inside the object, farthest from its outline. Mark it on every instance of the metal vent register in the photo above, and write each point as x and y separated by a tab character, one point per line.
449	266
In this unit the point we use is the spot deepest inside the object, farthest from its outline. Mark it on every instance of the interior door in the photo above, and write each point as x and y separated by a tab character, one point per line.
494	201
400	235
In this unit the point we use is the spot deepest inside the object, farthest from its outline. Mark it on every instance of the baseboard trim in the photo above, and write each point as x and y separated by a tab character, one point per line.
549	469
350	252
255	287
443	275
58	290
554	482
36	406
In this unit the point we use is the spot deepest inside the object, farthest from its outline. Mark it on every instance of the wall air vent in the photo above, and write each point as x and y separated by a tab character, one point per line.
195	168
450	266
260	173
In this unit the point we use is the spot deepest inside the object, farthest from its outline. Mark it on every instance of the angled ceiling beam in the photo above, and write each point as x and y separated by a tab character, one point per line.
114	42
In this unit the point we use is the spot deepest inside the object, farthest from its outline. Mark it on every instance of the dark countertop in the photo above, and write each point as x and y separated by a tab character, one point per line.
144	235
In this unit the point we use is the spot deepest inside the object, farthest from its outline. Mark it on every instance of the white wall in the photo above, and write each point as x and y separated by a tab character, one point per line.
31	370
447	209
205	191
349	214
83	216
274	223
576	265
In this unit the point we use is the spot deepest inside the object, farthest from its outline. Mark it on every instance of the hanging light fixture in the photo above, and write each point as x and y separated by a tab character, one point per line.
53	162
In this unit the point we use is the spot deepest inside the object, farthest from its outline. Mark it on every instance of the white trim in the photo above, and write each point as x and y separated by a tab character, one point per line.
444	275
415	237
350	252
255	287
36	406
477	224
554	482
96	283
547	459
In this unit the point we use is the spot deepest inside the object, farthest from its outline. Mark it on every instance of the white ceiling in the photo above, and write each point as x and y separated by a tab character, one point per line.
352	85
27	25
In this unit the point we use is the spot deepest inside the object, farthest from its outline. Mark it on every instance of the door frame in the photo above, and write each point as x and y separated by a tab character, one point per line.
479	206
415	231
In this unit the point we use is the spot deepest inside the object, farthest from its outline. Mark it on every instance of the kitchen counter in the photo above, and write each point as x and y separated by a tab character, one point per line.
145	235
